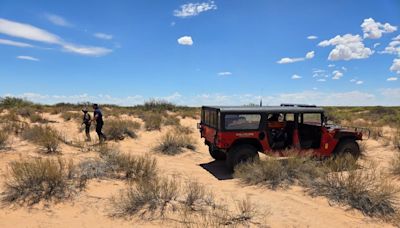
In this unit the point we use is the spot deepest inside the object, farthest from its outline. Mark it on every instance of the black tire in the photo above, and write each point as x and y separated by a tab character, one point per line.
240	154
217	154
348	146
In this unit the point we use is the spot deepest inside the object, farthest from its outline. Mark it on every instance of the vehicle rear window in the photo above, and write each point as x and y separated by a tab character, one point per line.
242	121
210	118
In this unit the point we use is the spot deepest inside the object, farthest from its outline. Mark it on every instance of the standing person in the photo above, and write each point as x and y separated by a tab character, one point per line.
87	122
98	117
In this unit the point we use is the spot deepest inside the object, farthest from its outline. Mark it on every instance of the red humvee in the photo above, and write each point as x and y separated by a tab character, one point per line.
237	134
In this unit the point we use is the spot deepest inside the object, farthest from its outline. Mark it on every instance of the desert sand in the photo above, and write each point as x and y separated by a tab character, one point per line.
91	208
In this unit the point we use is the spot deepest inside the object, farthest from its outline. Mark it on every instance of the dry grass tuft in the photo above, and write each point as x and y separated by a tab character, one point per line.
171	120
67	116
4	136
32	180
45	137
174	142
152	121
119	129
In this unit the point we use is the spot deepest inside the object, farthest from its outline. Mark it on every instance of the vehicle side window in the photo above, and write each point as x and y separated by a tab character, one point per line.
242	121
312	118
289	117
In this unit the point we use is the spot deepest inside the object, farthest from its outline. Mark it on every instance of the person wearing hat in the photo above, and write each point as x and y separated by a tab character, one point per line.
87	123
98	117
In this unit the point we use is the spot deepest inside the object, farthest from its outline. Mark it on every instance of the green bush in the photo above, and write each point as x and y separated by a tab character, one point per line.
118	129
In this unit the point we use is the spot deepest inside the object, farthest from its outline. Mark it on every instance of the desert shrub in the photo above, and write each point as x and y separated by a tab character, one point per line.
152	121
15	127
395	165
67	116
10	116
396	140
3	139
158	105
133	167
36	118
366	190
376	132
13	102
174	142
171	120
193	113
118	129
278	173
183	130
25	111
45	137
94	168
33	180
147	197
197	196
340	163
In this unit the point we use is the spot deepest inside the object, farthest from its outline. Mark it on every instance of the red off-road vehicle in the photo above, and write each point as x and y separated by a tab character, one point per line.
237	134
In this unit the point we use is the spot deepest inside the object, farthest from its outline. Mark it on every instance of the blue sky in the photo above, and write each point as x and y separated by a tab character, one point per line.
201	52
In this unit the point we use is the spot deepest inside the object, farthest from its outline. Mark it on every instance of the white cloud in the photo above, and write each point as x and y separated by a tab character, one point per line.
310	55
359	82
185	40
86	50
336	75
225	73
374	30
376	44
347	47
392	93
321	80
30	32
14	43
344	68
103	36
193	9
286	60
25	57
58	20
295	76
312	37
331	65
395	66
390	79
393	47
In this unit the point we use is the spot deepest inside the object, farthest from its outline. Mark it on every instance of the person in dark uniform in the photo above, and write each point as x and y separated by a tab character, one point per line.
98	117
87	122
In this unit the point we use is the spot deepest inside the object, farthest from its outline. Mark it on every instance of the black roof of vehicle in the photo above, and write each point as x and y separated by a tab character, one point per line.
285	108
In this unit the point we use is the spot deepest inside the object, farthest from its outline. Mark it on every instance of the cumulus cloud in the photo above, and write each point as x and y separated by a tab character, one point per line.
185	40
321	80
374	30
347	47
390	79
331	65
14	43
286	60
312	37
336	75
194	9
30	32
25	57
393	47
58	20
103	36
359	82
395	66
295	76
225	73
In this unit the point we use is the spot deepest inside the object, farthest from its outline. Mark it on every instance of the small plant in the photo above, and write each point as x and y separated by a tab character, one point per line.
147	197
173	143
376	132
33	180
45	137
36	118
67	116
152	121
171	120
118	129
197	196
395	165
3	139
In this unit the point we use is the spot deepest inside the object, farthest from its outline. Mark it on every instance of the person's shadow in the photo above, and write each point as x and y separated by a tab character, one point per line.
218	170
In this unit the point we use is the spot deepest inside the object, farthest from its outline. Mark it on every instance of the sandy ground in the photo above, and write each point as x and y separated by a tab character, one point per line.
91	208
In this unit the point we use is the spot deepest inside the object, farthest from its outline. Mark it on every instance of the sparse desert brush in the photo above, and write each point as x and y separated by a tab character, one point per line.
183	130
197	196
367	190
4	136
152	121
67	116
376	132
15	127
13	102
151	197
46	137
395	165
396	140
25	111
158	106
133	167
171	120
340	163
118	129
278	172
11	115
32	180
174	142
36	118
193	113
